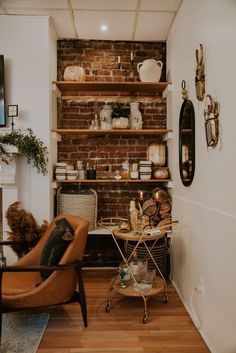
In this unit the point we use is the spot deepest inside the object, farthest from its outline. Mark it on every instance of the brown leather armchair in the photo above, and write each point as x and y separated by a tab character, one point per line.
22	286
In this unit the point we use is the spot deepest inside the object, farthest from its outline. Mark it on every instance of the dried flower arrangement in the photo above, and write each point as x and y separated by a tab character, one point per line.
24	229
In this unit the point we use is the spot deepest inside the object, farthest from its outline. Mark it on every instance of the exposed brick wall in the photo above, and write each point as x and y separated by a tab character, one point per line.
100	59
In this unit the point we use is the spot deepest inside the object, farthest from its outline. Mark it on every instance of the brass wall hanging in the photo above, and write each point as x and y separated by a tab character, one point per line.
211	116
200	74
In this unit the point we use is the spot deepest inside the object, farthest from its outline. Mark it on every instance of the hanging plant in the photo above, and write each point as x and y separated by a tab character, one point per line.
29	145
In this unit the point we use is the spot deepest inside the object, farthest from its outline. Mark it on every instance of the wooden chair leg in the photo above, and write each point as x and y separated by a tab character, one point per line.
1	308
0	327
82	296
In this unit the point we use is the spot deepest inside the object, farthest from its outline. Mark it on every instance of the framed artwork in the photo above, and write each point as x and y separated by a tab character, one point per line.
12	111
2	93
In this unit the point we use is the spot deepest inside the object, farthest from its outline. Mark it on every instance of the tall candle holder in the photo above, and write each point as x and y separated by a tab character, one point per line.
128	72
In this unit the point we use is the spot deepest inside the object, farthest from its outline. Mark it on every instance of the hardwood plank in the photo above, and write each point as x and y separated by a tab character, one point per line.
169	328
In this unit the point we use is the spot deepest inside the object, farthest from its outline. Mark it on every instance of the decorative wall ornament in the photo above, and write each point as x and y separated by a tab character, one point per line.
200	74
186	139
211	116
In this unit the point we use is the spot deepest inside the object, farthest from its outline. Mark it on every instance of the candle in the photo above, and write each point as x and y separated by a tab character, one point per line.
118	59
131	56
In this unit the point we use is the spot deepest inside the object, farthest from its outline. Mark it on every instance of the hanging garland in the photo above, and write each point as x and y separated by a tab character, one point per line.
29	145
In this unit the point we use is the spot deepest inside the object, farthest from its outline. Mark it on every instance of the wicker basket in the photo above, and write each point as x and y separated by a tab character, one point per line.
159	253
81	203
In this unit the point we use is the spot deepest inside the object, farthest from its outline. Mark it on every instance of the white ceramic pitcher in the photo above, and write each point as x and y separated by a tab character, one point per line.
150	70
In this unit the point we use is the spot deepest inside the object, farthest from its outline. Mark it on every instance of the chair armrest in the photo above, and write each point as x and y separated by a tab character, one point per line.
13	242
75	264
40	268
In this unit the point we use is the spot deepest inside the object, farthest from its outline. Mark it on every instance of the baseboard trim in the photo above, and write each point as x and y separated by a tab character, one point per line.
191	316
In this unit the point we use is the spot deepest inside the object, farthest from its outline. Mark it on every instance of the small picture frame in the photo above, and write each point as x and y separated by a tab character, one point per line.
12	111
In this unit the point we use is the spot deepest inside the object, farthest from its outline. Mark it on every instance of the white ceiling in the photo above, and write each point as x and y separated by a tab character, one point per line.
136	20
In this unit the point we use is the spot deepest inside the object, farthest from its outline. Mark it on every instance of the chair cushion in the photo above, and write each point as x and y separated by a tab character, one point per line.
56	245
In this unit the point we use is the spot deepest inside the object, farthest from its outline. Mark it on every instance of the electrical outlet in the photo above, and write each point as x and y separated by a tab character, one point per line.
201	287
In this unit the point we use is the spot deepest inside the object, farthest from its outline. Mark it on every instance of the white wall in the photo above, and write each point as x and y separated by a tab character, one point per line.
28	44
204	242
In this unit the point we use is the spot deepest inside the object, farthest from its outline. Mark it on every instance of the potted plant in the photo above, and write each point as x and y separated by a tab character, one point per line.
29	145
120	117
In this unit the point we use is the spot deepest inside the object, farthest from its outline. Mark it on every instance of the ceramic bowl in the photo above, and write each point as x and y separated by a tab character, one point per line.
60	165
145	169
71	177
60	176
145	163
60	170
145	176
161	173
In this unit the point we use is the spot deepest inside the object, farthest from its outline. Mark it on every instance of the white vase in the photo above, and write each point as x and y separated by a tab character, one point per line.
150	70
106	117
136	120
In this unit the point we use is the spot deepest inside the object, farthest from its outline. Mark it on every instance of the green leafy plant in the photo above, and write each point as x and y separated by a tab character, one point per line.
29	145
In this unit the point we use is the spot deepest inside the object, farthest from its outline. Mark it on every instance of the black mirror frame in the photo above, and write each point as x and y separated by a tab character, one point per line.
187	181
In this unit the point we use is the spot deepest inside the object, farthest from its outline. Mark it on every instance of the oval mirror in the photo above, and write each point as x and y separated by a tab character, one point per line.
187	142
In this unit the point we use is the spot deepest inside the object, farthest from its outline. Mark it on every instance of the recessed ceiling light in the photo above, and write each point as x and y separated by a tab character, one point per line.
104	28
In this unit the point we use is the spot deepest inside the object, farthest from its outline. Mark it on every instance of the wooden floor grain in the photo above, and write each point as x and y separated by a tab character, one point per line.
169	329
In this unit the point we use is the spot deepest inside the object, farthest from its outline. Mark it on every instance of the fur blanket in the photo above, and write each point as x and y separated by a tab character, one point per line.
23	227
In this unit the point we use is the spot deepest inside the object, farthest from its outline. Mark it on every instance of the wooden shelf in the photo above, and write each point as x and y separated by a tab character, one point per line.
111	132
112	181
73	88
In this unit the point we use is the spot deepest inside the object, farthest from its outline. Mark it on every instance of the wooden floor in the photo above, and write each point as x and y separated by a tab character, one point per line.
169	329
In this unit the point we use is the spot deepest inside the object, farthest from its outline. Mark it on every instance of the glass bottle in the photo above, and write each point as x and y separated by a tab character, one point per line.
134	265
96	122
133	215
125	169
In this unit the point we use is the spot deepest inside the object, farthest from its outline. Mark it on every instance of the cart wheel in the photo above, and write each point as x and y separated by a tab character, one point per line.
165	298
108	306
145	318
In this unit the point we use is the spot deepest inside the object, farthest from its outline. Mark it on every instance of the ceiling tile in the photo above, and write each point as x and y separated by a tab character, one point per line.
153	26
61	20
120	25
161	5
37	4
104	4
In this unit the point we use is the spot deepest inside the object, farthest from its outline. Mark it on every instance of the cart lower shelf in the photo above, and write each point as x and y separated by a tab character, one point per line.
159	285
130	291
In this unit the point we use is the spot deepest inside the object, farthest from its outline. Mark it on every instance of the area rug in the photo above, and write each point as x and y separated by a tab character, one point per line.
22	332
